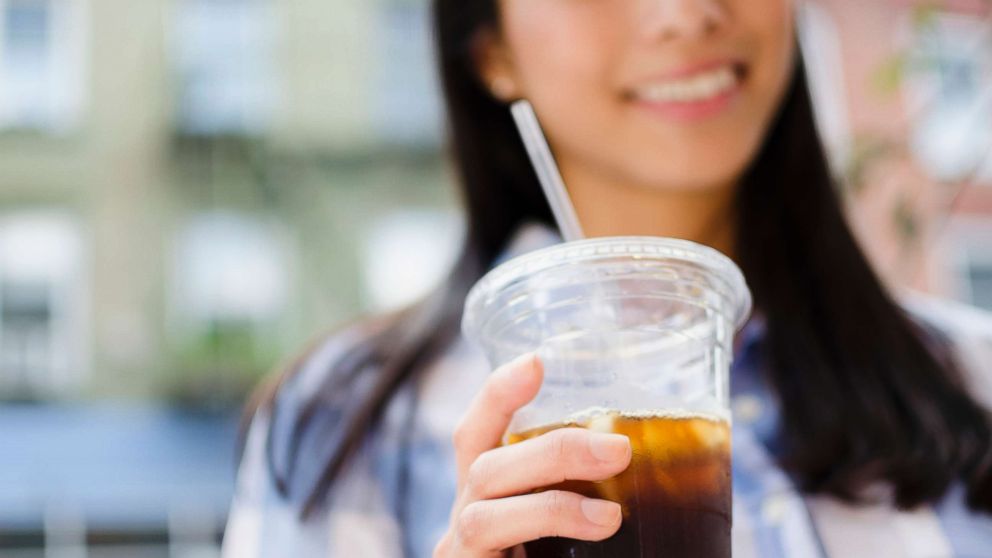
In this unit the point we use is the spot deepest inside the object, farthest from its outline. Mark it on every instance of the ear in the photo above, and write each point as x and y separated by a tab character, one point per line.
494	65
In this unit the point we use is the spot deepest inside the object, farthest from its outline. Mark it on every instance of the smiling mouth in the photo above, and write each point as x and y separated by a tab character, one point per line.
696	87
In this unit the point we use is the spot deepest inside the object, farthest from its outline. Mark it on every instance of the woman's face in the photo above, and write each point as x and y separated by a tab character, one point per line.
653	93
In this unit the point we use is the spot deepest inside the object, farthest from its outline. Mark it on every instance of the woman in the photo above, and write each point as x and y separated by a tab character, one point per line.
862	428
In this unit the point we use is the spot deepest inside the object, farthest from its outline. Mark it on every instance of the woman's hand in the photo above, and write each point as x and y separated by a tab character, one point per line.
495	508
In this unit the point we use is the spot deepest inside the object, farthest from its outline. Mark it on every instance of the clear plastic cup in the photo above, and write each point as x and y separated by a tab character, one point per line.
635	335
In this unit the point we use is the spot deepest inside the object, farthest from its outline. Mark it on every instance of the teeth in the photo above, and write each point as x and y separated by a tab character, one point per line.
696	88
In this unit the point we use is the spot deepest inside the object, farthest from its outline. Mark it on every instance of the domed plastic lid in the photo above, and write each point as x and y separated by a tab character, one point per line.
721	274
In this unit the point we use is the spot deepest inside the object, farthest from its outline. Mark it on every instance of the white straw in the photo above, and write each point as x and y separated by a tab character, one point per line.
547	170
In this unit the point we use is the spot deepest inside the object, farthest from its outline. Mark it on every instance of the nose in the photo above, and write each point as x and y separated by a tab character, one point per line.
672	19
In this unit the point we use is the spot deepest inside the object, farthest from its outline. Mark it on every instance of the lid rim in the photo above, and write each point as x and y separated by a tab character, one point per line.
604	248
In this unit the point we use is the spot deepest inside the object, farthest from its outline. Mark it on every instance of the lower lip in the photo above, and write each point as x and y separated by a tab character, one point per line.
691	111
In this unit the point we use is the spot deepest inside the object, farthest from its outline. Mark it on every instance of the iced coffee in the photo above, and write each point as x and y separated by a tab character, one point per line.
675	494
636	337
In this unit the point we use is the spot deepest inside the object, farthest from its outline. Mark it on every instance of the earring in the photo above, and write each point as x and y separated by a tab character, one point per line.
502	88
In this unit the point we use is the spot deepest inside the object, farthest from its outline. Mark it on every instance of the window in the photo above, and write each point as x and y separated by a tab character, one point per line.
42	292
967	244
406	102
984	175
42	60
980	284
231	268
407	254
226	73
949	91
821	49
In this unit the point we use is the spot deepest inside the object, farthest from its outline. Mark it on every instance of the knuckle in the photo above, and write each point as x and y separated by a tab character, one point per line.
554	446
560	443
472	523
478	476
556	503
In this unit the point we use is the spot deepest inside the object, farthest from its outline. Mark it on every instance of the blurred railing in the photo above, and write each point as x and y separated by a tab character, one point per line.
64	533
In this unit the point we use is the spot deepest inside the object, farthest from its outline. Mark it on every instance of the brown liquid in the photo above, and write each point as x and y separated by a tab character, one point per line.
676	494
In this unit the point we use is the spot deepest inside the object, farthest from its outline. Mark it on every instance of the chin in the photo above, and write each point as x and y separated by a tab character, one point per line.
692	162
687	179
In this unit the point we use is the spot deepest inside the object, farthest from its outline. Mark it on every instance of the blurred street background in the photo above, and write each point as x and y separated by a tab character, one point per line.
192	189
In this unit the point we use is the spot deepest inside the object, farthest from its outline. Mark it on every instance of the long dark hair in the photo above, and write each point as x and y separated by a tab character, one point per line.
866	393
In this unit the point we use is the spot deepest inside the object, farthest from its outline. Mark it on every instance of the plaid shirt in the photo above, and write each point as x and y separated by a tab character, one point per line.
772	518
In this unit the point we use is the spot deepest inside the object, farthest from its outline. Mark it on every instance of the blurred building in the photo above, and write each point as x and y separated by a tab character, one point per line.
904	92
189	191
180	175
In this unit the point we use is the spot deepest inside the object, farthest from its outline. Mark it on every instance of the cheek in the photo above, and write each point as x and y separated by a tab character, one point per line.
561	49
772	25
565	57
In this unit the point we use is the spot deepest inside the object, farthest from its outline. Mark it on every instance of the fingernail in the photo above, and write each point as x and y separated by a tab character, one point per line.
609	447
601	512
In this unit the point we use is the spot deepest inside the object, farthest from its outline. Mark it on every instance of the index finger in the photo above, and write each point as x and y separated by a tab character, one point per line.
509	388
